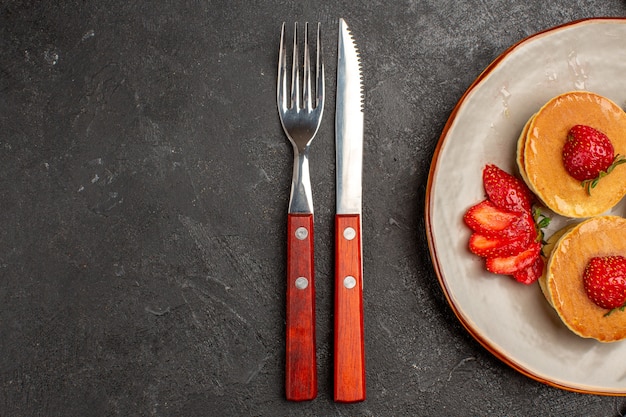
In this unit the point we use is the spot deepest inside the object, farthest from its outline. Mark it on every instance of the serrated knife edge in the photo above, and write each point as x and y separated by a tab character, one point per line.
349	124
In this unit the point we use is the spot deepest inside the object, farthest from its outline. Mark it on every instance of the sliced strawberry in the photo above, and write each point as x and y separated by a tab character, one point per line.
487	219
523	226
493	247
506	191
508	265
531	273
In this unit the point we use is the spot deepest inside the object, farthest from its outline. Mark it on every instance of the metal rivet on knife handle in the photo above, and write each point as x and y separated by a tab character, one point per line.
302	233
349	282
349	233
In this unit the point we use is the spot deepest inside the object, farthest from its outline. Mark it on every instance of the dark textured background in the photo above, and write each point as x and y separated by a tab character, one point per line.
144	180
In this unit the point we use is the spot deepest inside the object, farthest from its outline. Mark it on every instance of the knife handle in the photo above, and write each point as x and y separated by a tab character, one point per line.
349	347
301	366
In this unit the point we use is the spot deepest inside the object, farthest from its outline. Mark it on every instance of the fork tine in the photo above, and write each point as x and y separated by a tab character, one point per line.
295	71
306	93
282	72
319	69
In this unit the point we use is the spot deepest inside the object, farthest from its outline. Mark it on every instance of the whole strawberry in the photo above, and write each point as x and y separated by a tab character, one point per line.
604	280
588	155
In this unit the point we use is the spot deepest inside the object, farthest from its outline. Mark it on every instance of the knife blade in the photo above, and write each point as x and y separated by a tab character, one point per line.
349	347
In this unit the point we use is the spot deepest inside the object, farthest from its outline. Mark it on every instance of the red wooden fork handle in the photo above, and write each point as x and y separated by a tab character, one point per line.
349	347
301	366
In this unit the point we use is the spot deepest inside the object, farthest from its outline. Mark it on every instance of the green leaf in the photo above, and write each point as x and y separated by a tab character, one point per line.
608	313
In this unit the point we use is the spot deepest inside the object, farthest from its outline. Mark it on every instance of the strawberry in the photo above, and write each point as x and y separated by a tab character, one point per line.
588	155
531	273
506	230
526	226
492	247
604	280
487	219
508	265
506	191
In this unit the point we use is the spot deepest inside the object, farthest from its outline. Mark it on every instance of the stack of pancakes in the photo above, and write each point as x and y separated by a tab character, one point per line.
568	251
539	158
539	153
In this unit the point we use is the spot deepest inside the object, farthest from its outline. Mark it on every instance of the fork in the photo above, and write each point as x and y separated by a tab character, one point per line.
300	120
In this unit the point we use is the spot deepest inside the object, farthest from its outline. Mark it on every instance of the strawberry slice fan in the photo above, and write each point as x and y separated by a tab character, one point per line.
504	231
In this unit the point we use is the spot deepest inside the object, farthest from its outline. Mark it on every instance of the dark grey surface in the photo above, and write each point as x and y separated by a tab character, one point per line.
143	188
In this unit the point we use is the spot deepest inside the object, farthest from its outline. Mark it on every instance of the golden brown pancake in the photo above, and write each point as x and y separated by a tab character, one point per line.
521	141
540	153
546	252
563	286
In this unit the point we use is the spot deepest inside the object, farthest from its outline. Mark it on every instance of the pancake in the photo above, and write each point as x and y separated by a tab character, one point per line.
540	161
521	142
546	252
563	286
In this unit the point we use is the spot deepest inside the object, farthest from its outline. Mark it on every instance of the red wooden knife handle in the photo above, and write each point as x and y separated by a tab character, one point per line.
301	366
349	347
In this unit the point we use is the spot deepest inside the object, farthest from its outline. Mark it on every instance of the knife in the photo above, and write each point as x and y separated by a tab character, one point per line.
349	348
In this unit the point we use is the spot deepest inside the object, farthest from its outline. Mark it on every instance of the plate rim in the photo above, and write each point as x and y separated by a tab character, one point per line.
428	202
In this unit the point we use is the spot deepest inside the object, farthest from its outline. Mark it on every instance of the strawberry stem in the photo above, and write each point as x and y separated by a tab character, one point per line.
541	222
591	183
613	309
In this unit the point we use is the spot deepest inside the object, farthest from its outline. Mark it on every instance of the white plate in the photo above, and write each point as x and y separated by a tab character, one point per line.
511	320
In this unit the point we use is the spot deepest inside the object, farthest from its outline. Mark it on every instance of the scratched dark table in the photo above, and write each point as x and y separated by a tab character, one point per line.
144	181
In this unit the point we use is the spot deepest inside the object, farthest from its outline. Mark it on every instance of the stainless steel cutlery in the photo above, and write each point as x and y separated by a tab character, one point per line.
300	113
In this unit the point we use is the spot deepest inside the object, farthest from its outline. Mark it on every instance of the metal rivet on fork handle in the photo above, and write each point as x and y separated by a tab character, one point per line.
302	283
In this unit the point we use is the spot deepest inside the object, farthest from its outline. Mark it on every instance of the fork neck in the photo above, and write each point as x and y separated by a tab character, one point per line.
301	199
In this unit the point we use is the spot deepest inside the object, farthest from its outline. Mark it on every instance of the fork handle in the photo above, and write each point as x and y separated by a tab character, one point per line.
301	366
349	347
